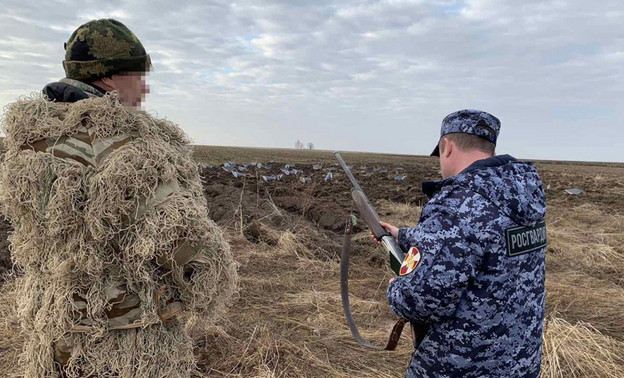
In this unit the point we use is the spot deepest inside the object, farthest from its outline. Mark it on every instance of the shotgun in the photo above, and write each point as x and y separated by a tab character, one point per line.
368	213
370	217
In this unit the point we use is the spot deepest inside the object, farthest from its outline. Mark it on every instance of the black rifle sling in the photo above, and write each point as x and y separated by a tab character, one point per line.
395	335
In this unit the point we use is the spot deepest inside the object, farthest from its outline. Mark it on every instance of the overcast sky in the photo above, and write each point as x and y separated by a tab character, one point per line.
356	75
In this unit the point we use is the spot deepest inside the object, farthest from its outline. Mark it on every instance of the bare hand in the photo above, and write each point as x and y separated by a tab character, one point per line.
394	231
390	228
375	240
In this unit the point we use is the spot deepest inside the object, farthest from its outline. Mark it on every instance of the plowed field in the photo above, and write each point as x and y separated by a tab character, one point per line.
286	236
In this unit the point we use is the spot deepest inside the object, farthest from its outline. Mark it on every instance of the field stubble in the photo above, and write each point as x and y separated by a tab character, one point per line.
286	236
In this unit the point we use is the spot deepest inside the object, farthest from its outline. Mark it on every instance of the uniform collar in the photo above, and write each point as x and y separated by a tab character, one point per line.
90	89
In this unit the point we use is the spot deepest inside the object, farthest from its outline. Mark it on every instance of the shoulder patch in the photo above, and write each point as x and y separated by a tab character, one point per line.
411	261
521	240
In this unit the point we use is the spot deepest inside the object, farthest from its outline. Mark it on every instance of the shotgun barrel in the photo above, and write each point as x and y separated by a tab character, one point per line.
370	217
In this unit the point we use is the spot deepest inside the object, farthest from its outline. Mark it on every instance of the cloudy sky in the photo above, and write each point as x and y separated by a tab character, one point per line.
356	75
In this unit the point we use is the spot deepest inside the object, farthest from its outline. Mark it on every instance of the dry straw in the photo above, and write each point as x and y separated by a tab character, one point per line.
584	336
579	350
588	239
578	297
82	230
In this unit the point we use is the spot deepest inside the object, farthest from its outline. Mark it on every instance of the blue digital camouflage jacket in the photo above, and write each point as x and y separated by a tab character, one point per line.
478	277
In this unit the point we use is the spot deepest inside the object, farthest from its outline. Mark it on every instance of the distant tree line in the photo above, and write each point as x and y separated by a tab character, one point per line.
301	146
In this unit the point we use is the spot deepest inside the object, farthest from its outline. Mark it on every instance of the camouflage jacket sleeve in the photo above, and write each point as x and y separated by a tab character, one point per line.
448	253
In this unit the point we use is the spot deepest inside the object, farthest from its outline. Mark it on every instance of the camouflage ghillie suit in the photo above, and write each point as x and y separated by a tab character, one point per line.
112	234
477	273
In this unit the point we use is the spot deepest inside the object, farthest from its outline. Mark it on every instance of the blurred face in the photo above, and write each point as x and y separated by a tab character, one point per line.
130	86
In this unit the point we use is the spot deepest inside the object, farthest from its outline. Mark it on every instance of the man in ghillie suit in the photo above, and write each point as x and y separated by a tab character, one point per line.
119	256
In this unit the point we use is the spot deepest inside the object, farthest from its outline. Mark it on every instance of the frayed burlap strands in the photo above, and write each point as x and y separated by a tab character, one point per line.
46	198
130	228
176	225
162	350
11	337
122	353
32	118
133	173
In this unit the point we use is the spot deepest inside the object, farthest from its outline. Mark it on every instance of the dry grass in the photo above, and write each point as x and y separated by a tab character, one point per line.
299	302
579	297
288	321
399	214
589	239
579	350
584	293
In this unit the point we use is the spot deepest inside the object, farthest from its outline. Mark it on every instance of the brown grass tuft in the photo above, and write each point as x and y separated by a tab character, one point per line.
580	350
586	238
575	296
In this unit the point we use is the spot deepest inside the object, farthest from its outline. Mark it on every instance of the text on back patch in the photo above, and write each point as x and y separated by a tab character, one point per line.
525	239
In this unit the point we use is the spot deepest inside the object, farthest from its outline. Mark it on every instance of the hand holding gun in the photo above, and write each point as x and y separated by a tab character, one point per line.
381	236
370	217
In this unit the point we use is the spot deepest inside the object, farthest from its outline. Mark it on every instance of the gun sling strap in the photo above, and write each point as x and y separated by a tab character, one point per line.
418	331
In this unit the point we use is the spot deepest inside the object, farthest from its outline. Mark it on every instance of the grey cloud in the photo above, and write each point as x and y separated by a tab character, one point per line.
340	73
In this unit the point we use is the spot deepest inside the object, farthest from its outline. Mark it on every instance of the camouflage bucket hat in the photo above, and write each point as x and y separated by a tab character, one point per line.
470	121
103	48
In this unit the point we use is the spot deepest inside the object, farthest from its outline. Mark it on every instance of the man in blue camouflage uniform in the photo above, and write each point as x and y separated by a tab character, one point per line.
474	269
